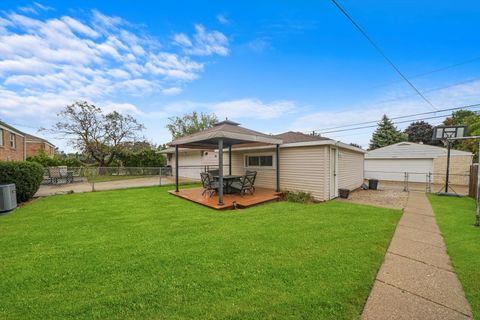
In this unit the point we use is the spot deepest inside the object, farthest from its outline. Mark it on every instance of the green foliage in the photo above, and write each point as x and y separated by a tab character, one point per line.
298	196
190	123
27	177
420	131
386	134
144	254
49	161
143	158
472	121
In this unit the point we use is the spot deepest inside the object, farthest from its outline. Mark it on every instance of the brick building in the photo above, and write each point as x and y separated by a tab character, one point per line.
16	145
37	144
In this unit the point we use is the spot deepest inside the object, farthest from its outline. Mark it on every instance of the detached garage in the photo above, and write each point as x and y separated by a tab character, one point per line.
393	162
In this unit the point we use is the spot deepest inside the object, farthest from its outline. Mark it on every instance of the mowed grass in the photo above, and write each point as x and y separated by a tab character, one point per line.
143	253
456	218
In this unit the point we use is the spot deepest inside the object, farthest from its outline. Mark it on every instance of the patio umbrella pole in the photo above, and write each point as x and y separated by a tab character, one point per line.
220	172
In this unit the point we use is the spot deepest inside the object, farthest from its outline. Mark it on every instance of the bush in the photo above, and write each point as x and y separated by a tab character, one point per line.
49	161
300	196
27	177
143	158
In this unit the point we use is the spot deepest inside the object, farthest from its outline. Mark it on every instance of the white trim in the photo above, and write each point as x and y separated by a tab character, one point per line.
306	144
261	154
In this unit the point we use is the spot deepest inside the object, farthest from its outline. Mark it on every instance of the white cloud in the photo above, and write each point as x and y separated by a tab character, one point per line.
222	19
452	96
204	43
47	63
173	91
253	108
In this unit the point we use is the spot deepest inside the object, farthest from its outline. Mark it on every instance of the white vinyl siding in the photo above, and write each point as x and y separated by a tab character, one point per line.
350	169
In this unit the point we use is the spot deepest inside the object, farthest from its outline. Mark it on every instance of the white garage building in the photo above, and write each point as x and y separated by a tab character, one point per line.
393	162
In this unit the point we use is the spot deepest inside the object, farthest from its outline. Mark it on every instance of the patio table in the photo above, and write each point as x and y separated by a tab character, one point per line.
228	180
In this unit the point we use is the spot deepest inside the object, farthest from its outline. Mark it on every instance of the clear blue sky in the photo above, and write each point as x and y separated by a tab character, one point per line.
273	66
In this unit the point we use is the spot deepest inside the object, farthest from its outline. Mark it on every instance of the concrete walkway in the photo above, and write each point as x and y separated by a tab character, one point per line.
416	280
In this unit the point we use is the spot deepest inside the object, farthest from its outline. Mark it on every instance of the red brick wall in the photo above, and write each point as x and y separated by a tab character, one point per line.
34	148
9	154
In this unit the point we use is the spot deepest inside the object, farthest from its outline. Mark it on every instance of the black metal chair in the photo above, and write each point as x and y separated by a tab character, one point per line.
245	183
209	185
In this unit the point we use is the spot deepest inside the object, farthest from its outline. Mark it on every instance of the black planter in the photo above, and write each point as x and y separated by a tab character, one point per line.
344	193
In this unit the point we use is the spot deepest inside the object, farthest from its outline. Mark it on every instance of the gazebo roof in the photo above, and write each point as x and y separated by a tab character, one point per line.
229	131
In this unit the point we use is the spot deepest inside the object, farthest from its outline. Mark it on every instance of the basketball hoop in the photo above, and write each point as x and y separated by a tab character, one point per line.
449	132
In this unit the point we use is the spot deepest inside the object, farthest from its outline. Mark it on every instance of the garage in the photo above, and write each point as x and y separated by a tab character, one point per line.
395	169
395	162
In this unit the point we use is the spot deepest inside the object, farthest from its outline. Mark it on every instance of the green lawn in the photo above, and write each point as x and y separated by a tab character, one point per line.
456	218
143	253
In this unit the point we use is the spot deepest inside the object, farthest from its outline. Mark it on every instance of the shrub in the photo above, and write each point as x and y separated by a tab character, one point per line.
26	176
49	161
143	158
298	196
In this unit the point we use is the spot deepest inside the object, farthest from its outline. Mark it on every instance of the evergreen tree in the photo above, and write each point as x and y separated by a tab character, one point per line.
385	134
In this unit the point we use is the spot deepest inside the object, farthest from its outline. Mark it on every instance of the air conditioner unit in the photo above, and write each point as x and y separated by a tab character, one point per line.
8	197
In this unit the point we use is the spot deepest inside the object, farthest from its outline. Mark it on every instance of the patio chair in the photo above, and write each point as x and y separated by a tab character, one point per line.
214	172
54	174
246	183
209	186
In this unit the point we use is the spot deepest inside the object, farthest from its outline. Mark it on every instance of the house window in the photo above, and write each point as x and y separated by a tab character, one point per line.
13	140
1	137
259	161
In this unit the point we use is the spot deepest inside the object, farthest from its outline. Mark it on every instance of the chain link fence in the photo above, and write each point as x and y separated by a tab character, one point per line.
420	181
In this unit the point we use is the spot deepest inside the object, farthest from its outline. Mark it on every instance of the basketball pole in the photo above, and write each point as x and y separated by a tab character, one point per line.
449	146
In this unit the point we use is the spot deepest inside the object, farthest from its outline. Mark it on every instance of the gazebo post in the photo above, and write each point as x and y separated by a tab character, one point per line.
277	160
176	168
230	160
220	172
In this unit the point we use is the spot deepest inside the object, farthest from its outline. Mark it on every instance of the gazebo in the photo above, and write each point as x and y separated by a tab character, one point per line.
222	135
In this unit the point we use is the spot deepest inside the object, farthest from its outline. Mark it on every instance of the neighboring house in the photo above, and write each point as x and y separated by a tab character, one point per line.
418	161
12	143
192	161
16	145
308	163
36	145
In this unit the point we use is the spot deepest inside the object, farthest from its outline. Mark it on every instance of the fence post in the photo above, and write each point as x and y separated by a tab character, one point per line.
160	175
405	188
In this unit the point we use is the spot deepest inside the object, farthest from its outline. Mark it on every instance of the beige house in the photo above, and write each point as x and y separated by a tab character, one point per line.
419	161
306	163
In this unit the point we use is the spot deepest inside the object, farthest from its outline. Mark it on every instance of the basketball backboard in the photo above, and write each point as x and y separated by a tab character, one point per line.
449	132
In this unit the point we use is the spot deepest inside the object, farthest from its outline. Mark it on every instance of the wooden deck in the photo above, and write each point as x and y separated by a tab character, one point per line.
261	195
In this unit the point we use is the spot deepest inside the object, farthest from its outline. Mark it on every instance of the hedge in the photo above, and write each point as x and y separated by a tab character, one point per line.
27	177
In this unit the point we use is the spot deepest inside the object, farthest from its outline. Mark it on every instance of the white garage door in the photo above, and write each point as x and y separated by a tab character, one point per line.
394	169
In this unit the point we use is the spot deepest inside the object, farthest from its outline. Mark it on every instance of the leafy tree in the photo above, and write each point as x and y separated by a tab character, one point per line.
101	136
190	123
385	134
420	131
472	120
144	158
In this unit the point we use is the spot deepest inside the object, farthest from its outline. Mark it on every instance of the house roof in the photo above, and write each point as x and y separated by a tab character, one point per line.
9	127
31	137
411	150
230	132
292	137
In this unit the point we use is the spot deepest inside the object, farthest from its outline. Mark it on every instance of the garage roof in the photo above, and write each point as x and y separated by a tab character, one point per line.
411	150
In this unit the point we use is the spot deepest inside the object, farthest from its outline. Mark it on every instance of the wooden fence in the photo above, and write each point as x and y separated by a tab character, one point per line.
472	186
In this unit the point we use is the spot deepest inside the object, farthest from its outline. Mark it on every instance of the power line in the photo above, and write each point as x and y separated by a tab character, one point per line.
399	117
382	53
418	75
